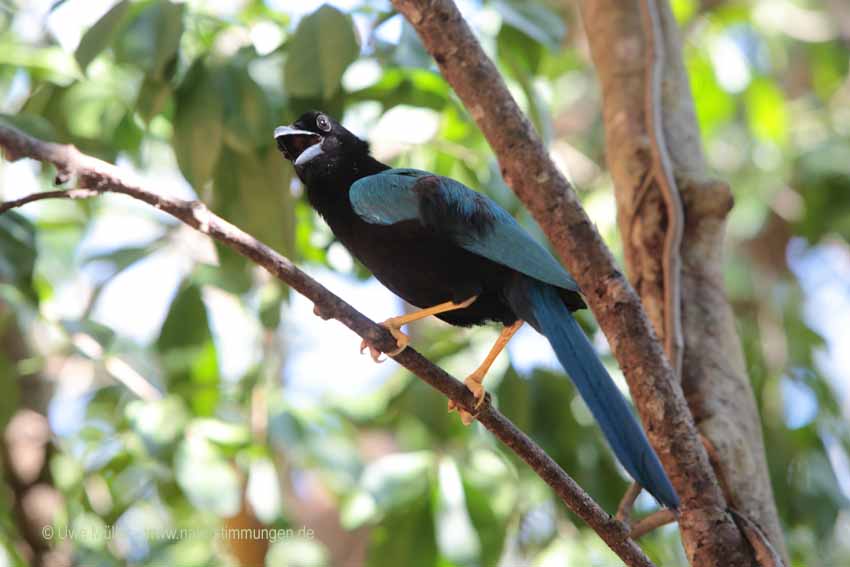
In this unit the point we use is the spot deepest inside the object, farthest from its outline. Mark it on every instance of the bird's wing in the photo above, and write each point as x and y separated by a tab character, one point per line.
472	220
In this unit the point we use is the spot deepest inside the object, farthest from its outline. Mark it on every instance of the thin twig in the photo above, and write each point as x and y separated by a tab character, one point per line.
60	194
627	503
652	522
663	173
103	177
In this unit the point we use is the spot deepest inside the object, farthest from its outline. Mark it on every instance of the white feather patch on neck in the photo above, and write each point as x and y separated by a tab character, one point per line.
313	151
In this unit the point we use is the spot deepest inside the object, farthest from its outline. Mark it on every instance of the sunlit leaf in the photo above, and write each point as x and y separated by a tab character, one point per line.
49	63
208	480
766	112
714	106
395	480
159	423
416	87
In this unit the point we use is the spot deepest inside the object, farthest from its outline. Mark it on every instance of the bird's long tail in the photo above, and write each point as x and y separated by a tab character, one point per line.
541	306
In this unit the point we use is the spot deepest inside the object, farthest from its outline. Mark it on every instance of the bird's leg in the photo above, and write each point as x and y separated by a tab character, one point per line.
474	381
394	324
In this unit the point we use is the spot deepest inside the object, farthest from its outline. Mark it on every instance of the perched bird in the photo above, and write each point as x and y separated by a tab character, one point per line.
457	255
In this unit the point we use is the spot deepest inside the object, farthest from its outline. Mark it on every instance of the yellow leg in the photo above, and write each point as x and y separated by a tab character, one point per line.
474	381
394	324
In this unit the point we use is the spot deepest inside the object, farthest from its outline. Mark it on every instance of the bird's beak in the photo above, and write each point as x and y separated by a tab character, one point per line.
298	146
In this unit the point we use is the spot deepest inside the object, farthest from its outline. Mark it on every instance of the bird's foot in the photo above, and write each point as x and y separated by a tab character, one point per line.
474	383
401	340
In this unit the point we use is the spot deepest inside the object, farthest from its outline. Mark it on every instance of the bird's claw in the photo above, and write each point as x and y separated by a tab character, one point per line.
473	383
401	340
373	352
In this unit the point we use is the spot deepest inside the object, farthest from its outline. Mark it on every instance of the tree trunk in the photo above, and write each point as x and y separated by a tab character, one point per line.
713	375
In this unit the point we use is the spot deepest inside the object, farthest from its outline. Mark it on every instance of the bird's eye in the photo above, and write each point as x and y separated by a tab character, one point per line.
323	123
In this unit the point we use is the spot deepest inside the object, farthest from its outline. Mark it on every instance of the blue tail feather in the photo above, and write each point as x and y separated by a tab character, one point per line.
544	309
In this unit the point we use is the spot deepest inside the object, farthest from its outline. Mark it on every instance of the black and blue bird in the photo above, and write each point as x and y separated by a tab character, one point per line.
457	255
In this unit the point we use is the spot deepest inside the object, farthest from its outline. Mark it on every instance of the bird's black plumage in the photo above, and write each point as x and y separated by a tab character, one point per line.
416	260
430	240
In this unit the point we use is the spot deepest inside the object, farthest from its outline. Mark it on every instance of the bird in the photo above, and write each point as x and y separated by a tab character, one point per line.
457	255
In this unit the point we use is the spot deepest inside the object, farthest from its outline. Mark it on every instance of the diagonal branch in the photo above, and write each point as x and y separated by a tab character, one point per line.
527	168
95	176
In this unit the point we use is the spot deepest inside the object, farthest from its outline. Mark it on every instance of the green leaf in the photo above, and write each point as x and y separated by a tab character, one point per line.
766	111
247	116
714	106
123	258
224	435
32	124
519	50
151	39
188	352
160	422
43	63
233	273
153	95
684	10
324	44
18	253
534	20
101	34
405	537
253	192
198	131
491	528
416	87
187	325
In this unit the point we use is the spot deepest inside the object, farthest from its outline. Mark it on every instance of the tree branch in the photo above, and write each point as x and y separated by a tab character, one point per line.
714	376
652	522
527	168
96	176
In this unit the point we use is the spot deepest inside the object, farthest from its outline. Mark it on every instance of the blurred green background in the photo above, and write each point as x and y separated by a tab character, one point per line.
154	382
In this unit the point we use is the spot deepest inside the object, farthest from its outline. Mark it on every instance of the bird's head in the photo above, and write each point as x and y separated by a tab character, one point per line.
317	143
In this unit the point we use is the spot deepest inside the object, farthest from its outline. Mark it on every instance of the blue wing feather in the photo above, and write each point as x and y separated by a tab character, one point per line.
389	198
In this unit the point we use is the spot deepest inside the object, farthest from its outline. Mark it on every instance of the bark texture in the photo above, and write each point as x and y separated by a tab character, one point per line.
714	376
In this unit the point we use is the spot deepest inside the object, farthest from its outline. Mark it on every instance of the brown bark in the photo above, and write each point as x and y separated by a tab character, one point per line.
709	534
714	377
94	176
